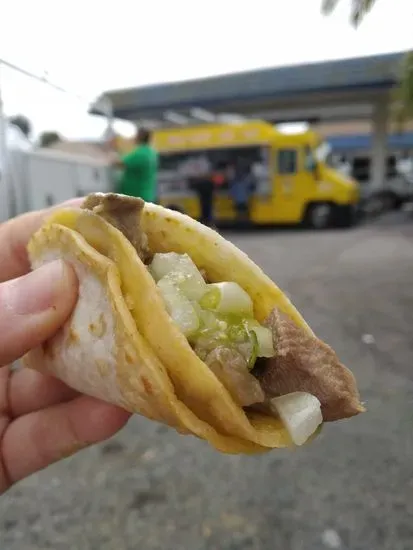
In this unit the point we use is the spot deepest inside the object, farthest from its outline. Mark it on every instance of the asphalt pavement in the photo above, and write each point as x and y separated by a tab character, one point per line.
351	489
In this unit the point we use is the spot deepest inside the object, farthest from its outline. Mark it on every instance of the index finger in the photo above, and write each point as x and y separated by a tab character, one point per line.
14	236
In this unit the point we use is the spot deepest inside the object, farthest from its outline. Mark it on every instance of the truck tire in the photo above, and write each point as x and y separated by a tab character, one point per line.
381	202
319	215
390	201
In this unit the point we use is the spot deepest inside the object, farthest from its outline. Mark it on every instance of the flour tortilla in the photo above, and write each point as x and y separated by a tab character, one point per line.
193	382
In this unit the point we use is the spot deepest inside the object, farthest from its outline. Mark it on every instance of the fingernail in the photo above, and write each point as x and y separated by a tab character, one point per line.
39	290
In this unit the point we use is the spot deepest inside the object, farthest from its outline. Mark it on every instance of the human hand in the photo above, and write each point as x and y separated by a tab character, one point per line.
41	419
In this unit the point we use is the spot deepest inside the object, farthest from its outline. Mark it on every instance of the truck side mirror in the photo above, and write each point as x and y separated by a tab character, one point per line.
312	164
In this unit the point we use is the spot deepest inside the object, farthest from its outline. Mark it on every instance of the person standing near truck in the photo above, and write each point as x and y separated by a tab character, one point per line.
140	168
201	182
241	187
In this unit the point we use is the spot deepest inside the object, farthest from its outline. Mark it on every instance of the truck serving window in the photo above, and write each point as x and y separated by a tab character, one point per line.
287	161
177	168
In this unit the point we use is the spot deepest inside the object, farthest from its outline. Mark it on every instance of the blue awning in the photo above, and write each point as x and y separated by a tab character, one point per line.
364	141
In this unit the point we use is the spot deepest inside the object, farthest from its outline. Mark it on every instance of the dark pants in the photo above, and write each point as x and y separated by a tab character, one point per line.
205	191
242	210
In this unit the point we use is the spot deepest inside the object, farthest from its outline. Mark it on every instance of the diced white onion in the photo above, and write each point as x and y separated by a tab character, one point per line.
191	285
300	413
228	298
182	269
162	264
179	307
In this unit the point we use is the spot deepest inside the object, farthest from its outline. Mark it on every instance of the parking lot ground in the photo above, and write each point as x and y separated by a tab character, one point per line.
352	488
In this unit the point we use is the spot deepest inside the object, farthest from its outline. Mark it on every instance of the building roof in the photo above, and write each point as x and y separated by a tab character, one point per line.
364	141
229	91
80	148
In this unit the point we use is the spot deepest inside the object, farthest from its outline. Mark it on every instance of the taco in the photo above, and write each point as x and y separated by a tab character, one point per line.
174	322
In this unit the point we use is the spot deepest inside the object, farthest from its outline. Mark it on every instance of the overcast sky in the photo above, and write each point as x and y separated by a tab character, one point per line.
89	46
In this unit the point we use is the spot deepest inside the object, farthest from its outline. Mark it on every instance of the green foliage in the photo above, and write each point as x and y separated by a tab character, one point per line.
48	138
23	123
359	8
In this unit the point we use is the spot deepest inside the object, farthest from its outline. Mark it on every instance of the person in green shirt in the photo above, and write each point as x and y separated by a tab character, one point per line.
140	167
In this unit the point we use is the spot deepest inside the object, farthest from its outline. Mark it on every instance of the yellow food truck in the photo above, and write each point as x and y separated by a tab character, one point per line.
294	181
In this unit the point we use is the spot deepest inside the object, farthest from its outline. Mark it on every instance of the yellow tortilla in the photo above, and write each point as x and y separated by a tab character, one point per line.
194	383
99	351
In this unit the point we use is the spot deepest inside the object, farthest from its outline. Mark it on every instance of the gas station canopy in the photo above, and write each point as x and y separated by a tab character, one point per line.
330	90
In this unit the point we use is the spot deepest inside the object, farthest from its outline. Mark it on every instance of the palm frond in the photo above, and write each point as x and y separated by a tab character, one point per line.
359	8
328	6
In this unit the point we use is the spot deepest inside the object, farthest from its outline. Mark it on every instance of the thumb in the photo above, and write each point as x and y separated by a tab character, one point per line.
33	307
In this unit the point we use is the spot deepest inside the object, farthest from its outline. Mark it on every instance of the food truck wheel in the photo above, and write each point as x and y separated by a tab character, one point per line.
319	215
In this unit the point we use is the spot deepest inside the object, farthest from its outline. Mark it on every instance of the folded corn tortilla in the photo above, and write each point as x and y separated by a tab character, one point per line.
122	345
